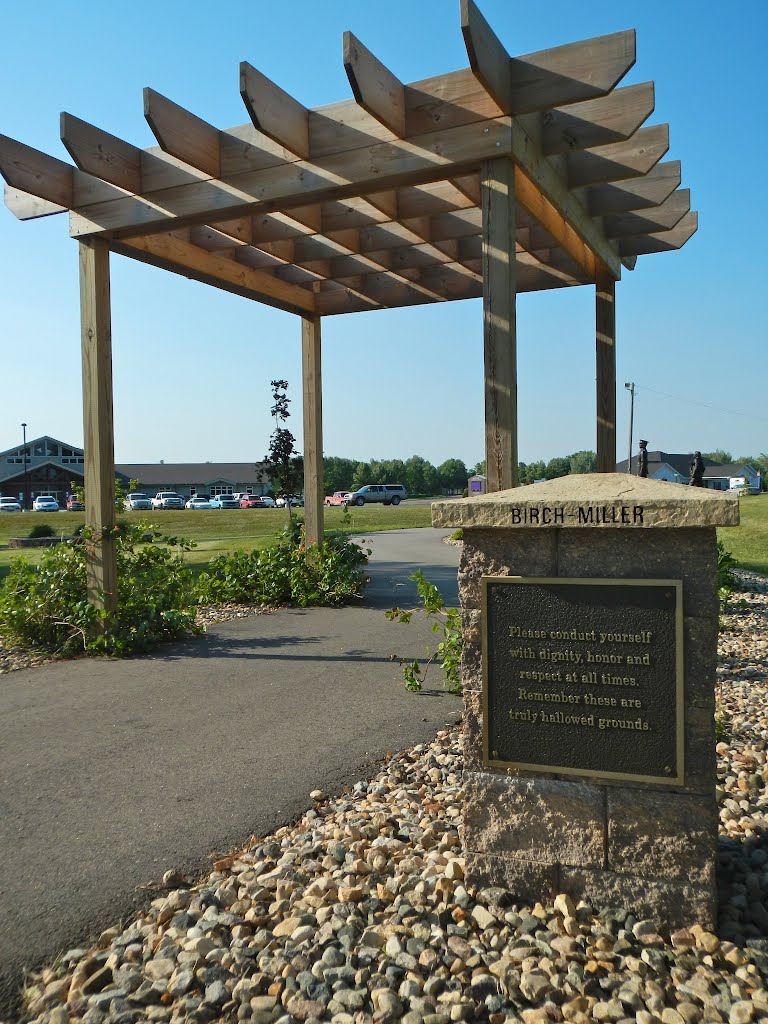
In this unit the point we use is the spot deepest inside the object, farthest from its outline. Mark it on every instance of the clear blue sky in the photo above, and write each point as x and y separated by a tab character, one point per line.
192	364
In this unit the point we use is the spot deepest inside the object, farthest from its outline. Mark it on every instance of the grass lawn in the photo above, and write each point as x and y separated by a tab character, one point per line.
216	531
748	543
221	530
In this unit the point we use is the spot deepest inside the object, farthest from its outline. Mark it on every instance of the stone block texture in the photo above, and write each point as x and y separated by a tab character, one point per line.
649	848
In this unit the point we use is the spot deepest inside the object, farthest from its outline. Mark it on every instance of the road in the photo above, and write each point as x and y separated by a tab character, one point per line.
112	772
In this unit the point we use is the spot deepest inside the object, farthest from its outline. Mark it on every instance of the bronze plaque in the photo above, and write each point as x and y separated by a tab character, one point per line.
584	677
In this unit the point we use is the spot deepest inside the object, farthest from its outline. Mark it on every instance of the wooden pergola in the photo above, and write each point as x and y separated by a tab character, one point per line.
513	175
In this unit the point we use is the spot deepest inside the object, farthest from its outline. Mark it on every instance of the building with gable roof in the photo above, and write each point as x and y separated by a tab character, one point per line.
49	466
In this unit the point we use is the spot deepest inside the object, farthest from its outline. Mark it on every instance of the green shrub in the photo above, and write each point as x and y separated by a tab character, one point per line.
458	534
726	580
41	530
287	572
444	620
46	606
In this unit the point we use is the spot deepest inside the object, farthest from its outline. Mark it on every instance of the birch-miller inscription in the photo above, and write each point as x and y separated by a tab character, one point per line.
584	677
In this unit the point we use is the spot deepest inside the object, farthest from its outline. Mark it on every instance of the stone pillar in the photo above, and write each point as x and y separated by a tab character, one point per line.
645	839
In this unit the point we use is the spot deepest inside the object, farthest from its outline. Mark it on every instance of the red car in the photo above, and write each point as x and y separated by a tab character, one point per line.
252	501
74	504
337	498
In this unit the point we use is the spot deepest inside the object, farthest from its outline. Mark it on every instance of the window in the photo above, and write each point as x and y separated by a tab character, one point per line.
66	451
51	449
15	461
221	489
39	448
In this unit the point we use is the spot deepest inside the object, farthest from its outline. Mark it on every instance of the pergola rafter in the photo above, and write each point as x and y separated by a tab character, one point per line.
519	173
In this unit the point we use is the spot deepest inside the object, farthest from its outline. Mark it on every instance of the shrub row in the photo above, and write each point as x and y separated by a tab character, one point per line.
45	607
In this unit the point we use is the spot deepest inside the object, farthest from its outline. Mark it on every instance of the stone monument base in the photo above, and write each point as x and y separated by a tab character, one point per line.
608	836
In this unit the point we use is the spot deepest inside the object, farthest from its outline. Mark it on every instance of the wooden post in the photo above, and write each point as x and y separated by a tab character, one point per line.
98	429
312	384
499	323
605	318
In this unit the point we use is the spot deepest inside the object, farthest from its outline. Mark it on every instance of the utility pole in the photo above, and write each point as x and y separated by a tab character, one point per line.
631	389
26	483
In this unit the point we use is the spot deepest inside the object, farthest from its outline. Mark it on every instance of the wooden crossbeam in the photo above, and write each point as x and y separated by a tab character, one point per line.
635	193
27	207
662	241
619	160
274	112
597	122
549	78
183	134
374	86
101	154
386	165
180	257
660	218
586	70
27	170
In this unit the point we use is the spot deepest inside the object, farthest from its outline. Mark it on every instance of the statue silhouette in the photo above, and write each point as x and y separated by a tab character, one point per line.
642	459
697	471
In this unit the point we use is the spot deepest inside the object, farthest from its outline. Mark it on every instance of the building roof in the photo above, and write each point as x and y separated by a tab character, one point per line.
680	462
36	440
728	469
166	474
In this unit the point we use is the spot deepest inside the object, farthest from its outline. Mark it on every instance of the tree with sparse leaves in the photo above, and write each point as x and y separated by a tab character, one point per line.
283	463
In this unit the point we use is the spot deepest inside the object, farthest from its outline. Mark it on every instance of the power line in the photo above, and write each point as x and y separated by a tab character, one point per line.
703	405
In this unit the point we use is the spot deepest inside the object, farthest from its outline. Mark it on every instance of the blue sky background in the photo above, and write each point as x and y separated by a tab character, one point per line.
192	364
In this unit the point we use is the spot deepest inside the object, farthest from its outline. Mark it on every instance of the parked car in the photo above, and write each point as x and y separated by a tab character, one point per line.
137	502
252	501
9	505
389	494
338	498
740	489
45	503
167	499
268	502
198	503
224	501
296	501
74	504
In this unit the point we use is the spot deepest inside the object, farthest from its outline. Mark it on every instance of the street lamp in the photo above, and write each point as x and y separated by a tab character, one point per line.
631	389
26	486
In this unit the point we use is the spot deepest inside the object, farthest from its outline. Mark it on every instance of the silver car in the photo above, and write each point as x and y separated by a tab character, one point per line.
45	503
9	505
138	503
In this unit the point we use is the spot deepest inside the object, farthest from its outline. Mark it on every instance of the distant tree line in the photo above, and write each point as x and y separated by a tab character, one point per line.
421	477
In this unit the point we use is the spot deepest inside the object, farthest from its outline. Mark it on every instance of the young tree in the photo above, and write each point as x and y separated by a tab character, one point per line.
452	475
283	463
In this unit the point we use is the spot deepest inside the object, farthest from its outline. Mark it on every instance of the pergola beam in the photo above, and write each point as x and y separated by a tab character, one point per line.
274	112
641	193
369	169
374	86
171	253
662	241
548	78
597	122
619	160
183	134
642	222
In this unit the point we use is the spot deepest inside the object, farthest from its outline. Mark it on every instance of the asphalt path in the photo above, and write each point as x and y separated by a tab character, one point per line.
112	772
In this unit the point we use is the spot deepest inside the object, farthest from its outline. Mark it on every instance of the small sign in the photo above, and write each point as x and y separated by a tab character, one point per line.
584	677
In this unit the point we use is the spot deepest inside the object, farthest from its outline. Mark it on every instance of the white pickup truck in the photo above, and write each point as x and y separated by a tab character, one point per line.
167	499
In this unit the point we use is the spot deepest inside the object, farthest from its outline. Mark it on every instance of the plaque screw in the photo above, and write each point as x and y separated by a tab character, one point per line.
667	770
495	754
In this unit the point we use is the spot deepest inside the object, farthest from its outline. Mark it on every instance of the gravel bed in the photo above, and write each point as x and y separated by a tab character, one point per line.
359	914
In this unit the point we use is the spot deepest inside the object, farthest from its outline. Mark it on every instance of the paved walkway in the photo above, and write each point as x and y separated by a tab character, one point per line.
112	772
